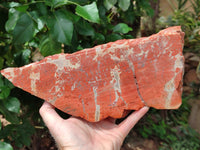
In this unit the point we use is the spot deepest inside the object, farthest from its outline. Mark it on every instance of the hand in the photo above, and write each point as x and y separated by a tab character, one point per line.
78	134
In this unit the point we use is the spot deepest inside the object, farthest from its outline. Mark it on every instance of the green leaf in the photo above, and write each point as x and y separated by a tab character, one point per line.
74	18
113	37
5	146
42	9
26	54
50	19
128	36
14	4
48	46
80	2
131	15
122	28
23	57
59	3
22	8
8	83
26	130
18	6
40	22
24	29
124	4
99	38
4	92
12	104
150	12
89	12
20	134
61	27
145	5
84	28
10	116
12	21
109	3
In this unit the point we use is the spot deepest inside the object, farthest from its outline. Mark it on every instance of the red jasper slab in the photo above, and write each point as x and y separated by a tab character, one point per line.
109	79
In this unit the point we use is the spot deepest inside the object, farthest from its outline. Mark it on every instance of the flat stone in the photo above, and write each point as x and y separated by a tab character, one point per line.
109	79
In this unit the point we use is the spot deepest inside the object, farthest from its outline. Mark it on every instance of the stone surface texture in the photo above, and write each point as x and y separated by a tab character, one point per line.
109	79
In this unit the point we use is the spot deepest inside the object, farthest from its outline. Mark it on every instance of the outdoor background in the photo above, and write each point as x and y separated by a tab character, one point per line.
33	29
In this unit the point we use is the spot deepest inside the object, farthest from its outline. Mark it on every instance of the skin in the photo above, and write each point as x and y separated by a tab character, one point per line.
77	134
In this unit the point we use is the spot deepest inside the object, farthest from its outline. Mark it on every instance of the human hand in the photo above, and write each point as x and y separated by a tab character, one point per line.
78	134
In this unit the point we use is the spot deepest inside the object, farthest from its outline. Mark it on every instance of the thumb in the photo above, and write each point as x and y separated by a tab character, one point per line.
125	126
49	115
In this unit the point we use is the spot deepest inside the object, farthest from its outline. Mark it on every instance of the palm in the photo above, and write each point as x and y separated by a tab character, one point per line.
80	133
75	133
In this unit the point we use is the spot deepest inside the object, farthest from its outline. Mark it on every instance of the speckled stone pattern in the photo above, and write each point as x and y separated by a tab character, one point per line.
109	79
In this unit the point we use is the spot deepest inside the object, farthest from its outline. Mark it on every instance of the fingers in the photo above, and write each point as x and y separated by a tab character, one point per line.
125	126
49	115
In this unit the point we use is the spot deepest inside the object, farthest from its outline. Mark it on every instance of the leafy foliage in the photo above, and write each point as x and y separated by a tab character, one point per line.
23	136
173	130
188	20
31	27
48	27
122	28
5	146
89	12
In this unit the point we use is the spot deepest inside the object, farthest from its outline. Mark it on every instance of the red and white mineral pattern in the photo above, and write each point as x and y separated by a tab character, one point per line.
109	79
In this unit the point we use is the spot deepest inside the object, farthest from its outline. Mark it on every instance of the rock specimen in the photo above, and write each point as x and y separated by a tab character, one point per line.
111	78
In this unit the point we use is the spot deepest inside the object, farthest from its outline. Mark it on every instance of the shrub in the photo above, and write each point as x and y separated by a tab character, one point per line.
30	27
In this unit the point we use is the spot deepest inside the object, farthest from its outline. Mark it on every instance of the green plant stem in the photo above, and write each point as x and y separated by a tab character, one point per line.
34	2
39	127
31	17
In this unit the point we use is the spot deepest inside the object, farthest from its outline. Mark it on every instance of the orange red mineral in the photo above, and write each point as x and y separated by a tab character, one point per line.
109	79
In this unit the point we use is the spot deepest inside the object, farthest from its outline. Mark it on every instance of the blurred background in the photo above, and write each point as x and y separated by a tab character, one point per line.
33	29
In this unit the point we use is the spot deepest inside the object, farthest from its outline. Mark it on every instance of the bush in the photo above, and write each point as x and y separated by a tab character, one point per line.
188	20
171	129
29	28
